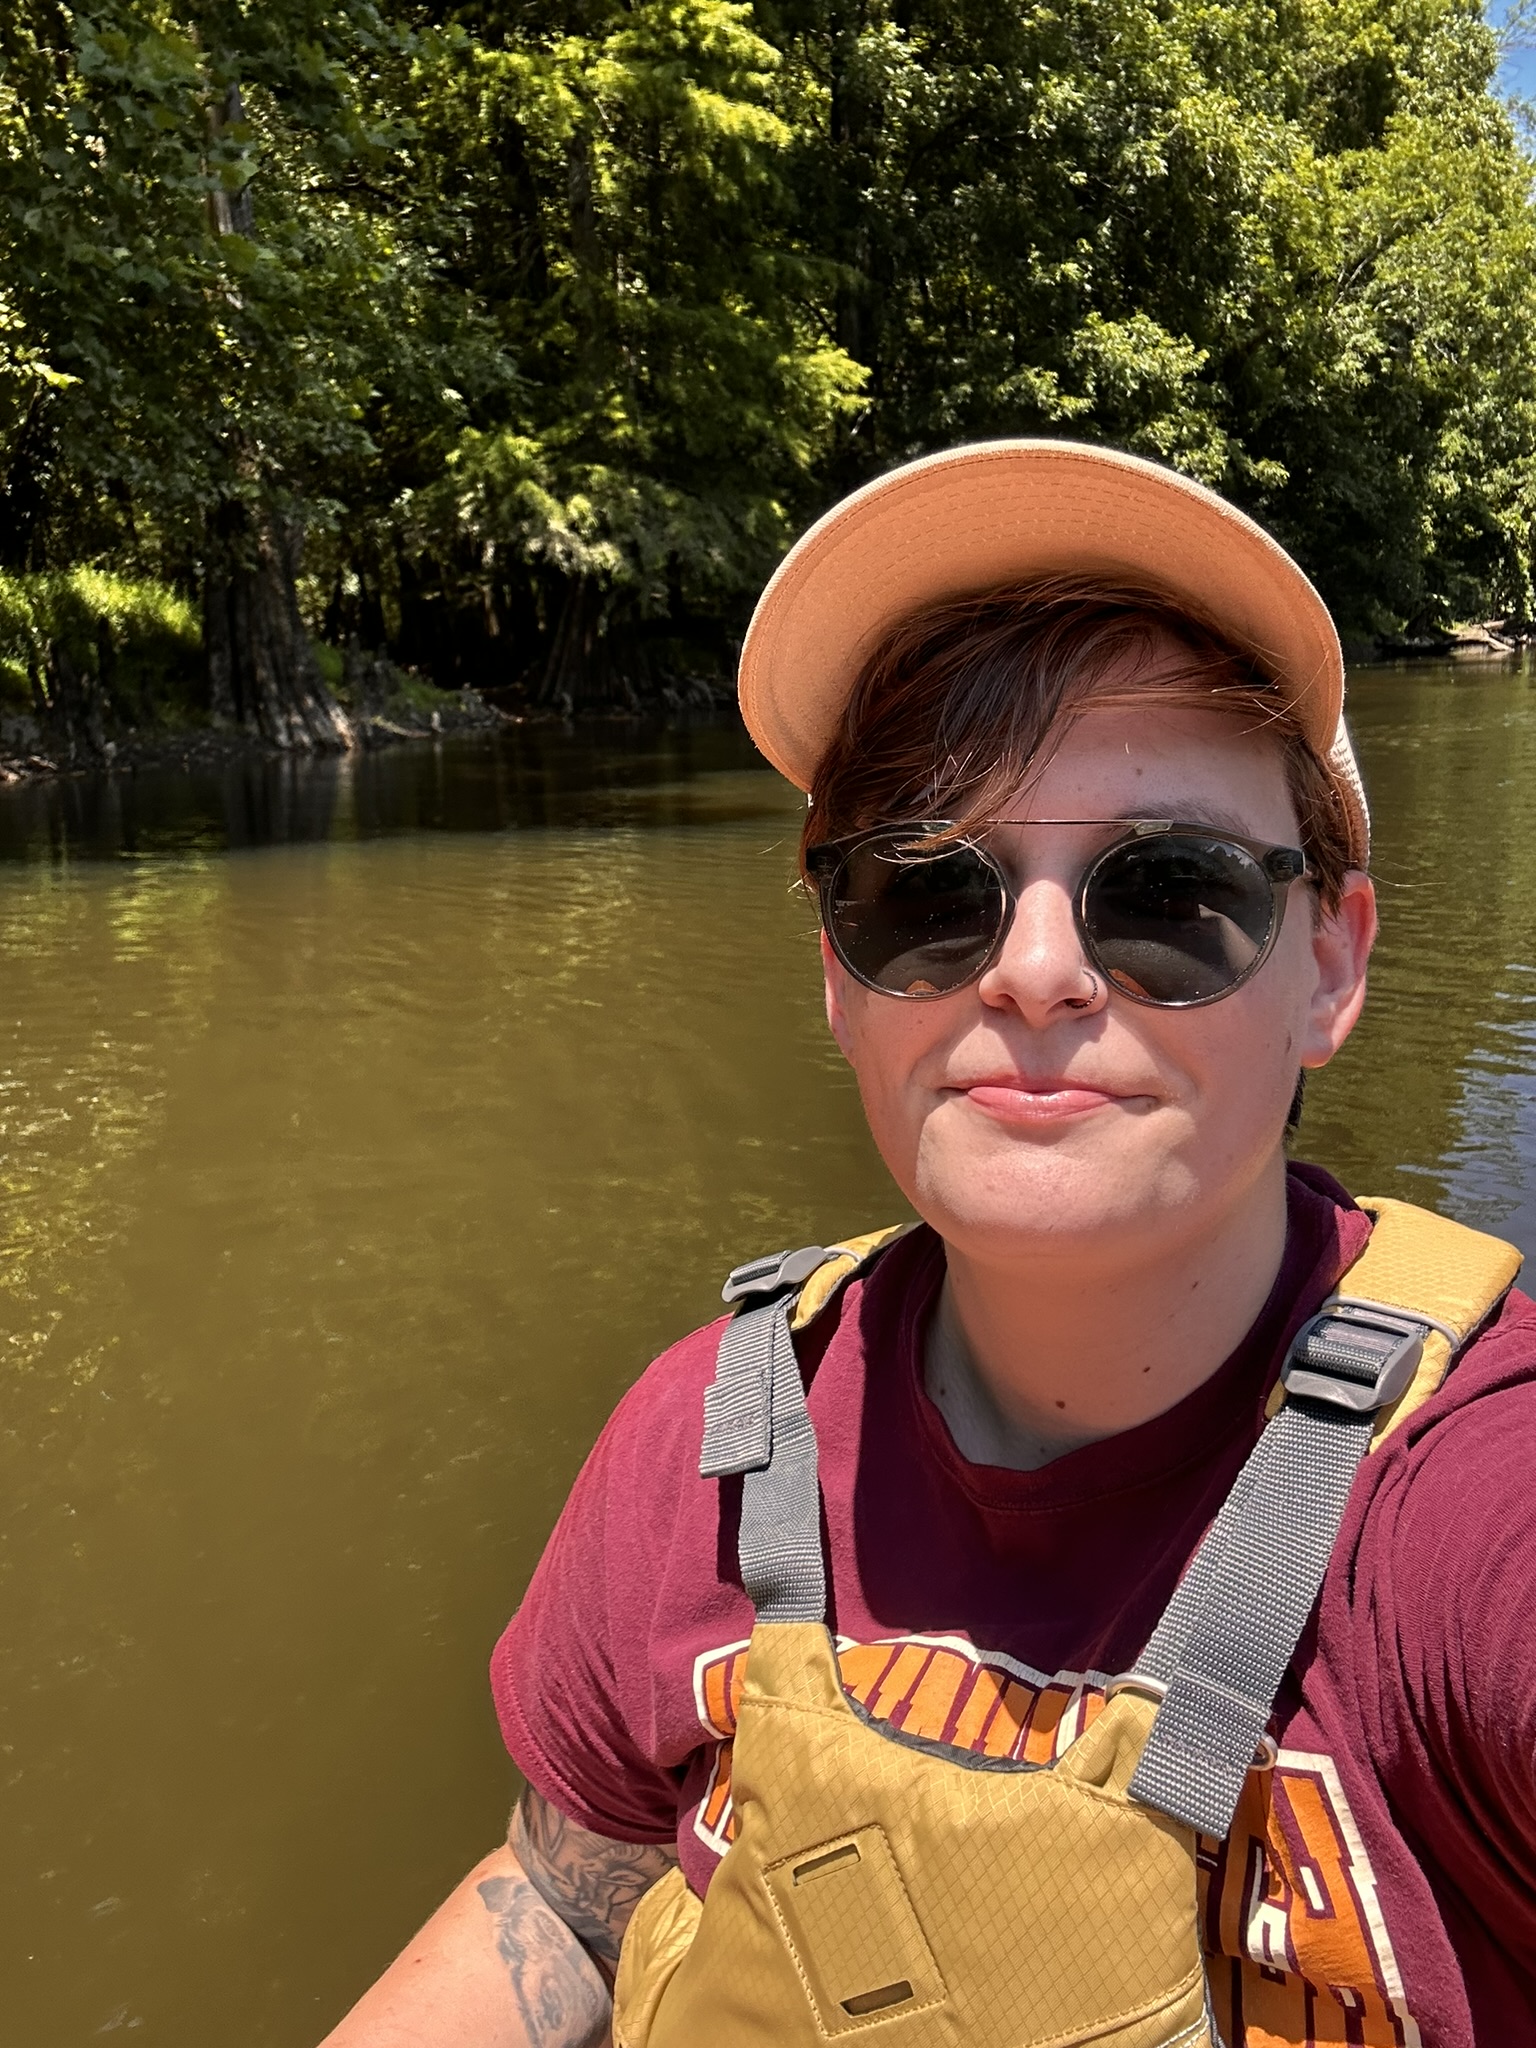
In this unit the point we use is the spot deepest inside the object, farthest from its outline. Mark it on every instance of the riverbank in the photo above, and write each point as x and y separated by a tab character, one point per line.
30	752
210	791
1492	642
393	709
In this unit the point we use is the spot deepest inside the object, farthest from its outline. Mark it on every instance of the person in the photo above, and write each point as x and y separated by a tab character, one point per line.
1090	848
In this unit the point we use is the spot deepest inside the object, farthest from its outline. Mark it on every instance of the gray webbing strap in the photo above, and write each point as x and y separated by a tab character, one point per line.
1160	1658
1220	1652
738	1405
1223	1645
756	1423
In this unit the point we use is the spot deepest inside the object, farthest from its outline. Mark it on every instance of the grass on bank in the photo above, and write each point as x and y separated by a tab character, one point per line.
407	693
141	640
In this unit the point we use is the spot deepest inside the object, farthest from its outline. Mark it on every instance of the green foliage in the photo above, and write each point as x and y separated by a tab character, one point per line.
549	325
618	198
1288	248
143	634
200	297
332	666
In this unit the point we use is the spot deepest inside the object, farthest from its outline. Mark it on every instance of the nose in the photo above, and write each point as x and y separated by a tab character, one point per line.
1041	970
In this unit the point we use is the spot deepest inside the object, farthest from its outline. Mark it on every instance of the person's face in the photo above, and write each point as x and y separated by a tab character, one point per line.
1015	1119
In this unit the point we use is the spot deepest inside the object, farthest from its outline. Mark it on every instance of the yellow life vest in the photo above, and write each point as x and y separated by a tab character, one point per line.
883	1884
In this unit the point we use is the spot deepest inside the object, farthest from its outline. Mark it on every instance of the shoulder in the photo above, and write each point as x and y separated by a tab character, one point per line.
655	1432
583	1687
1493	1378
656	1427
594	1677
637	1504
1448	1539
1470	1443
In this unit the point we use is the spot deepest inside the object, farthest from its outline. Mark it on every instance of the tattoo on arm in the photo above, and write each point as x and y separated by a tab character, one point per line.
593	1882
563	2001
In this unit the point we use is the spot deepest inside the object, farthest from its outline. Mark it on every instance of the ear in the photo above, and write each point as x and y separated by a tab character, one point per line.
835	981
1341	945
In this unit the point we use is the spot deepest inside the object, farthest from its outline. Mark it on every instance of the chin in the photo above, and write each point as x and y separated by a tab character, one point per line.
1066	1231
1032	1198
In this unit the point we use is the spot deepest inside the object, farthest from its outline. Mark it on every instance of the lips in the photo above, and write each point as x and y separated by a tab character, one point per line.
1015	1099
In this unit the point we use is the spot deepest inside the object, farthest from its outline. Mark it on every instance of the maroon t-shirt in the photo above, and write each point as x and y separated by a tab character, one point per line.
1379	1886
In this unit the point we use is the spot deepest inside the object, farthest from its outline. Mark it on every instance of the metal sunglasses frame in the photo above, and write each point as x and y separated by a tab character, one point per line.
1280	866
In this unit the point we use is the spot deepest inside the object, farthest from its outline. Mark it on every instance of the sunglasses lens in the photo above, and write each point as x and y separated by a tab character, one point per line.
915	924
1178	918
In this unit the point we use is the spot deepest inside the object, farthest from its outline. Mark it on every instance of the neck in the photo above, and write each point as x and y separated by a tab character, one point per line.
1030	1359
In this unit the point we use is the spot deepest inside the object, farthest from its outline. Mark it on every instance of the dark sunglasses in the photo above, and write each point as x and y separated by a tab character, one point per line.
1169	914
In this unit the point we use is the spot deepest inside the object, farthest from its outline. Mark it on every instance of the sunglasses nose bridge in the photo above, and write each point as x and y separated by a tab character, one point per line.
1041	958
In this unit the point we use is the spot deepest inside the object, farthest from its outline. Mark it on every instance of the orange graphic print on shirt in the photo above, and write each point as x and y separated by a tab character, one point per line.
1298	1952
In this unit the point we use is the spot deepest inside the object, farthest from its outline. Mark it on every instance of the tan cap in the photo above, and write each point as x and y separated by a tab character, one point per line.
999	512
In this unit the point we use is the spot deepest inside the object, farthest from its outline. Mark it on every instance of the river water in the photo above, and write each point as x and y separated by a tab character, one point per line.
365	1130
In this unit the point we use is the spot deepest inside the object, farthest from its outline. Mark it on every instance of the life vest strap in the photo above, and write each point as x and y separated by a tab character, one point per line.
1221	1650
756	1423
1230	1631
1228	1635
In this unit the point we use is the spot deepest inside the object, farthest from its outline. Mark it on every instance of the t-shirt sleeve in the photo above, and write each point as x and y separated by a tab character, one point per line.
1455	1618
575	1676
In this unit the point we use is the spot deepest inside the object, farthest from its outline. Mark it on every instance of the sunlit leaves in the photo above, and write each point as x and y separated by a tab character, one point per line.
676	385
186	232
522	298
1289	249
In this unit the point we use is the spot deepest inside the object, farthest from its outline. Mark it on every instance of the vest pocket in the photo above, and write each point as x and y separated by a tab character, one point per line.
844	1912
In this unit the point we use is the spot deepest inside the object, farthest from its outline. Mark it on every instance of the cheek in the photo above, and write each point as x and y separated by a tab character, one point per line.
890	1044
1245	1051
1235	1060
1287	984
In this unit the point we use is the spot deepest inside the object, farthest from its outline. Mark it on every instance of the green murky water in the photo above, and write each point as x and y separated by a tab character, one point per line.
364	1131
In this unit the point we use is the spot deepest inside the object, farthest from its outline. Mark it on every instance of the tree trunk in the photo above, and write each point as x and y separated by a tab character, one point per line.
23	492
583	671
262	671
72	710
232	213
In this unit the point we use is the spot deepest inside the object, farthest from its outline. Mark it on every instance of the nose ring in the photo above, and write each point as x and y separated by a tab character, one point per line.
1086	1002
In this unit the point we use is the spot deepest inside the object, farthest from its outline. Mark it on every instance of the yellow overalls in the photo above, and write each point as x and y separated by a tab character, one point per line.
887	1885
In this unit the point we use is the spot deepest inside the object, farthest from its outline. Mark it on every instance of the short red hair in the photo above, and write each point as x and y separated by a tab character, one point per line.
957	707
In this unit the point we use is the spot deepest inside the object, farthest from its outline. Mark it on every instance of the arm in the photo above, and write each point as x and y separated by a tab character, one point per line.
522	1953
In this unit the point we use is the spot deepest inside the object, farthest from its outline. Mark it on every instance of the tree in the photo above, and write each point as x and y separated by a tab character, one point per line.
197	310
614	195
1287	248
524	338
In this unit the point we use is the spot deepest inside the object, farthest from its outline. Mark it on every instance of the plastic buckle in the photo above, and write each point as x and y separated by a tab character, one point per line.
761	1279
1355	1355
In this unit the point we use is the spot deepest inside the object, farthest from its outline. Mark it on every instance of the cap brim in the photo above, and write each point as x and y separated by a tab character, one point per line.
1000	512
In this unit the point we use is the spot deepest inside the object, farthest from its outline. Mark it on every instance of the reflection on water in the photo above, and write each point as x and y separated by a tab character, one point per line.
345	1183
534	775
1434	1098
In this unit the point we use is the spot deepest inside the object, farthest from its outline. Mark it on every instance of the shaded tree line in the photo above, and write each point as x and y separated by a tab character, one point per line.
518	339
